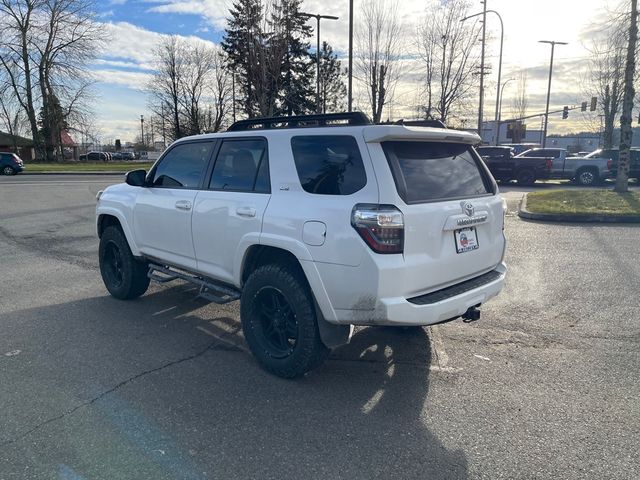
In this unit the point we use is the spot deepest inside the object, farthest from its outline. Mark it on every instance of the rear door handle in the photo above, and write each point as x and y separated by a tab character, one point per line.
249	212
183	205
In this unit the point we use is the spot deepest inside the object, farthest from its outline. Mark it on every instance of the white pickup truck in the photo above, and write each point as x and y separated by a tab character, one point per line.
316	223
583	170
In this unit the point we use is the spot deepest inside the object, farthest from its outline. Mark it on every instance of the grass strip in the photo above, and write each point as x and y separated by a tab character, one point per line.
86	167
584	202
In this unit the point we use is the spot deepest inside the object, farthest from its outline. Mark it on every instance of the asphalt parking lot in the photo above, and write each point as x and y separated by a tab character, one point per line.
545	385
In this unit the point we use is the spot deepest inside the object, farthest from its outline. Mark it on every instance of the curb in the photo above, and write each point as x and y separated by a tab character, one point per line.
571	217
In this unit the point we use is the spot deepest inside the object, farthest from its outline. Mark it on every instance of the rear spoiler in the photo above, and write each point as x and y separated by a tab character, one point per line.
382	133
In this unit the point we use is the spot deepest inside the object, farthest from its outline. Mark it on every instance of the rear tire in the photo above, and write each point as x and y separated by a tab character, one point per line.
279	322
586	177
123	275
526	177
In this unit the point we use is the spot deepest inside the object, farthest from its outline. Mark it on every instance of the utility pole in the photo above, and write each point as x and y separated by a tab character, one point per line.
164	135
350	94
142	128
484	32
546	112
484	14
318	17
233	94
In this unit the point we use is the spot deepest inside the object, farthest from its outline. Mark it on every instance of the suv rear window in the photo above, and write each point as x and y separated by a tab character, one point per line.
433	171
329	164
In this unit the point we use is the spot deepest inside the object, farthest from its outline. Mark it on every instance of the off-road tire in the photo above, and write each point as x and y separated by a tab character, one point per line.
308	351
123	275
587	177
526	177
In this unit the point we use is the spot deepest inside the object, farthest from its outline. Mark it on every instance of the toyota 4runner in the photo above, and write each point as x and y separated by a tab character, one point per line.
316	223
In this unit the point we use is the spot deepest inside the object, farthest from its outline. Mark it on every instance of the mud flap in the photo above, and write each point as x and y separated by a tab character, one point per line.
332	335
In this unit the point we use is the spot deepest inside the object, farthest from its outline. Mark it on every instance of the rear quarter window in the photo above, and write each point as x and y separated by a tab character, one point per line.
434	171
329	164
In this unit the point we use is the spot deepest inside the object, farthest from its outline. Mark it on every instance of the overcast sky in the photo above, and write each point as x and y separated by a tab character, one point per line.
136	26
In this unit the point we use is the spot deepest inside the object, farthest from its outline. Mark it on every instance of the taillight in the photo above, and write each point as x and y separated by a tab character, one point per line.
609	164
549	163
380	226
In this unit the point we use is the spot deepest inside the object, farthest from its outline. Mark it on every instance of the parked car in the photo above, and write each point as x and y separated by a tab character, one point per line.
314	229
614	155
10	163
504	166
584	171
94	157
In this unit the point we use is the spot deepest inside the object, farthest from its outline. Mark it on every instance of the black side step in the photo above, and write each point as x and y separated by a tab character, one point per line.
209	290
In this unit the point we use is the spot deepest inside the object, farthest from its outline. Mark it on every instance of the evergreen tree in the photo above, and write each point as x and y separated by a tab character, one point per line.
243	44
332	88
289	49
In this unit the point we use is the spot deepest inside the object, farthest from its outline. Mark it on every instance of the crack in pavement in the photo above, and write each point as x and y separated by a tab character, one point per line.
210	346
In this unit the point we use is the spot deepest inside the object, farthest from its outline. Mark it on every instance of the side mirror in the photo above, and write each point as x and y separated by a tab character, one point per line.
136	178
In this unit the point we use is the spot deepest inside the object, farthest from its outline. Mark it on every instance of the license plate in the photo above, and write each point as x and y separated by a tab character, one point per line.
466	239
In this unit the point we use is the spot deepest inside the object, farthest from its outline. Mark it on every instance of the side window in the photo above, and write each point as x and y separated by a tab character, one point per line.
329	164
183	166
242	166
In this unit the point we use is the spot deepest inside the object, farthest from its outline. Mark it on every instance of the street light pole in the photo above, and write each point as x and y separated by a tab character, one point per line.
484	31
318	17
499	61
350	94
546	112
498	120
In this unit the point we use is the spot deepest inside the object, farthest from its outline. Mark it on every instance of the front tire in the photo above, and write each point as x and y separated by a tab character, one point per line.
8	170
123	275
279	322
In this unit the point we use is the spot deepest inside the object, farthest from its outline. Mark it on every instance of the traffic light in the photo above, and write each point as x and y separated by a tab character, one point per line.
583	107
565	112
594	103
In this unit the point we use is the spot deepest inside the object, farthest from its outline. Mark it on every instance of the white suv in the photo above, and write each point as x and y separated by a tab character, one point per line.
316	224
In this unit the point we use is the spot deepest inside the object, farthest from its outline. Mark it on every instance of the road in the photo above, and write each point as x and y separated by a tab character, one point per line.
545	385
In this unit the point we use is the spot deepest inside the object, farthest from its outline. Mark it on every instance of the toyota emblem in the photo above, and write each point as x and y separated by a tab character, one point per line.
468	208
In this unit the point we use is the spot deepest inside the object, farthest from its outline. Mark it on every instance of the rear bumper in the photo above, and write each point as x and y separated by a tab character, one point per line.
433	308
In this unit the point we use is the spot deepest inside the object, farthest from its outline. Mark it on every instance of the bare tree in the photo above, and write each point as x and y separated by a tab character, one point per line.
605	75
16	32
626	133
190	89
378	53
520	103
45	46
12	117
448	50
165	86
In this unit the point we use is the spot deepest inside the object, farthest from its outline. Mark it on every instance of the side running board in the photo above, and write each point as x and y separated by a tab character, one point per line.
209	290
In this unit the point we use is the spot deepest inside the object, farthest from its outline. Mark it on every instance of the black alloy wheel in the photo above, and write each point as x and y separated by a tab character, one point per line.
276	322
112	265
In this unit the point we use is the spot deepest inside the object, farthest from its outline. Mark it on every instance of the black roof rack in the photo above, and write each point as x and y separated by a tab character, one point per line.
302	121
421	123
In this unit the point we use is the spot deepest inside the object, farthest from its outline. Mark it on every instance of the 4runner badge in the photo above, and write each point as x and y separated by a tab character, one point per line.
468	208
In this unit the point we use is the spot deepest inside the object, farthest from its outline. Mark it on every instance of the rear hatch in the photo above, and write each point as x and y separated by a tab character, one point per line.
453	216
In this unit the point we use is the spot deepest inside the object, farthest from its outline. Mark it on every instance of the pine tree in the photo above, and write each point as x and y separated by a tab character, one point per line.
332	88
289	49
243	44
